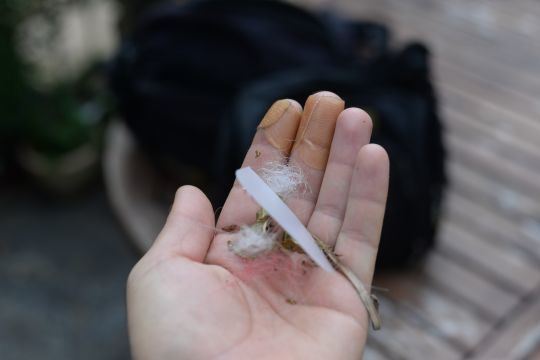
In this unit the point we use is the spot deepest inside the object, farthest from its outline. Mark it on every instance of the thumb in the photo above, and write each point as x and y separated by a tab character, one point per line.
189	229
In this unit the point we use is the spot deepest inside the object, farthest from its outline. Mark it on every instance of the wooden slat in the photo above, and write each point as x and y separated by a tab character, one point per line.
490	226
433	24
491	89
491	114
536	354
441	314
403	340
513	78
461	282
502	144
451	48
518	338
525	180
404	18
502	263
372	353
484	18
444	38
492	194
500	119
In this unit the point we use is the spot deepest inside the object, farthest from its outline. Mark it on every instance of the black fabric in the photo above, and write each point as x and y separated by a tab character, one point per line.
201	76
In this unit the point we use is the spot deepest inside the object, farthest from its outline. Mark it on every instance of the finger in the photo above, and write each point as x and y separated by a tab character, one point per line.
312	146
353	130
358	239
189	229
272	143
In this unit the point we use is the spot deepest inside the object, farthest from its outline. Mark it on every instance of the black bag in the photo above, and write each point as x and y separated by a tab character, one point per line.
224	63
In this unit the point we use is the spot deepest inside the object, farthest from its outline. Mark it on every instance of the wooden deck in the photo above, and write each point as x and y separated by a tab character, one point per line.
478	294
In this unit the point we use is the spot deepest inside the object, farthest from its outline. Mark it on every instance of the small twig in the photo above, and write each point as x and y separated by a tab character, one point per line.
370	301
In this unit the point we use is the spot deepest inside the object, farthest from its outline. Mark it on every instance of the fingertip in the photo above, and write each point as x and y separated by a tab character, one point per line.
373	167
316	130
187	191
350	117
295	105
185	197
374	153
354	124
280	123
325	93
189	228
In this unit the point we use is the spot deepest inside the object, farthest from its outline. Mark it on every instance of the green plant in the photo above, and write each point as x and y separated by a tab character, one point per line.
52	120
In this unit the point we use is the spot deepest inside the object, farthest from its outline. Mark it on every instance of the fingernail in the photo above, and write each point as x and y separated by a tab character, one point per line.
273	114
280	124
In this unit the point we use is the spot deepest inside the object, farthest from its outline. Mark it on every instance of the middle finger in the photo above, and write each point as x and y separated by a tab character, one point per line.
312	147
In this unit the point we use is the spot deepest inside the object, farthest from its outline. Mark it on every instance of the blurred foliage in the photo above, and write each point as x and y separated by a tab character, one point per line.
52	121
70	114
59	118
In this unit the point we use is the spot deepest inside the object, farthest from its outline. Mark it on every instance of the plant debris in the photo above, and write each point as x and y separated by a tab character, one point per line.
231	228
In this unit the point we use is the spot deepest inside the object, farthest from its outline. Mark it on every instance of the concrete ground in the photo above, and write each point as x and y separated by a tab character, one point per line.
63	268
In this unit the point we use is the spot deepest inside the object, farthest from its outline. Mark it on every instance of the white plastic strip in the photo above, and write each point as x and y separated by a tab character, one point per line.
268	200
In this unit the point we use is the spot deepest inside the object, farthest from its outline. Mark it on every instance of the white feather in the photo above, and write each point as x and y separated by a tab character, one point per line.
250	243
284	180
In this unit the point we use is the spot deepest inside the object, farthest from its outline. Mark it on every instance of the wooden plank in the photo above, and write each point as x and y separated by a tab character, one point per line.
490	193
450	45
492	83
490	226
479	109
458	77
515	79
505	145
442	315
520	6
495	261
372	353
425	23
493	45
521	178
490	17
519	336
403	339
461	282
458	99
536	354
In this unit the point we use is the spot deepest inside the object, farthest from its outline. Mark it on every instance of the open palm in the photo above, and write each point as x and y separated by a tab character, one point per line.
190	297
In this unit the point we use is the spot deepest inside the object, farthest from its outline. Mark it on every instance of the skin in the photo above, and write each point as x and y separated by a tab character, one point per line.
189	297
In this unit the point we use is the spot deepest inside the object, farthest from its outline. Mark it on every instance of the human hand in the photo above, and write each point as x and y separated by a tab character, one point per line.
189	297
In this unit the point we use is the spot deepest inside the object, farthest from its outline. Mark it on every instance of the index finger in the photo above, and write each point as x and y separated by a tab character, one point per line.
272	143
